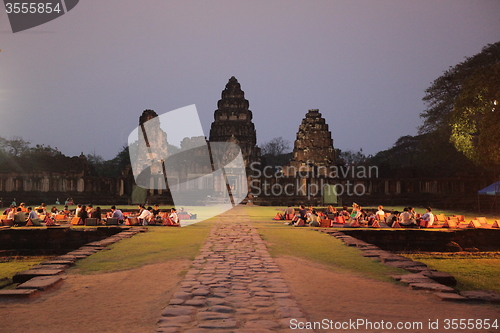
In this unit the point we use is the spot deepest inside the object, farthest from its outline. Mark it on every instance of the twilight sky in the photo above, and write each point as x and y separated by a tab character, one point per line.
80	82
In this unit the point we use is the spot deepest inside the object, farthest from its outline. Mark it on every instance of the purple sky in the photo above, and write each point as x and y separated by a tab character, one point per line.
80	82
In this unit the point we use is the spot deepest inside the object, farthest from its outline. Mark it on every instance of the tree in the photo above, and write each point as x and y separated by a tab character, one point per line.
112	167
276	152
462	106
16	146
475	119
425	155
41	150
275	147
349	157
442	94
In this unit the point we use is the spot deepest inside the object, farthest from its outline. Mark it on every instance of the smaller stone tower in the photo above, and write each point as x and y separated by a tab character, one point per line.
314	144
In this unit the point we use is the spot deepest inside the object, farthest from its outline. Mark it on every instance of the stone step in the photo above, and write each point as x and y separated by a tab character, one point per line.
432	287
24	276
481	296
41	282
18	293
450	297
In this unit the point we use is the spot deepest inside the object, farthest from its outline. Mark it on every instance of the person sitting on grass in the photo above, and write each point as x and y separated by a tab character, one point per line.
344	212
20	218
117	214
404	218
32	214
288	213
313	219
380	215
356	212
144	216
427	220
11	213
66	211
173	216
392	218
96	214
82	214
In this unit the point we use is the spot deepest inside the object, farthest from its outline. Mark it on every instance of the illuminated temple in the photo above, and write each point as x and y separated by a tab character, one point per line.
313	152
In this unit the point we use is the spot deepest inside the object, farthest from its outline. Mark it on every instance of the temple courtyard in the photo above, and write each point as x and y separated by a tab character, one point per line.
243	272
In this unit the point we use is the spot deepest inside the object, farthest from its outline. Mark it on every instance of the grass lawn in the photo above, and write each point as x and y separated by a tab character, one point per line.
473	272
285	240
157	245
10	266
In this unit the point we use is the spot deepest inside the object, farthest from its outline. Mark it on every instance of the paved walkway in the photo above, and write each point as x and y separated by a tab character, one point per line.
233	286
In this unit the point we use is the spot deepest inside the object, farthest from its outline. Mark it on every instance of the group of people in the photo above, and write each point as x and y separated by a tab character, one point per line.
408	218
303	217
26	215
151	215
22	215
359	216
84	212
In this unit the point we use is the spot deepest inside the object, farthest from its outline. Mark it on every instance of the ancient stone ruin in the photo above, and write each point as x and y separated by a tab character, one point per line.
233	122
314	144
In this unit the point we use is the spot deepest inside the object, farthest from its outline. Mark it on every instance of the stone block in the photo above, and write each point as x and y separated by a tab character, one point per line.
450	297
178	310
41	282
213	316
441	277
24	276
432	287
18	293
481	296
216	324
69	262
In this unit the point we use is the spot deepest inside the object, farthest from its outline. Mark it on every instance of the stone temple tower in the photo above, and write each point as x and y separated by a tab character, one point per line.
233	122
314	144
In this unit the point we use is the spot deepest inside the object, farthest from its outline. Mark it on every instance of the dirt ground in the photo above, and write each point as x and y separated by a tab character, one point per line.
128	301
340	297
131	301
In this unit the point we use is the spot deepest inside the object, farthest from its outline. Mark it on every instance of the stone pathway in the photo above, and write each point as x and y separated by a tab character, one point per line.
233	286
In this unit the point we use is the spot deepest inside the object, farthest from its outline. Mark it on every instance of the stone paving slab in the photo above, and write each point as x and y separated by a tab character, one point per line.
233	285
441	277
69	262
24	276
39	266
450	297
18	293
41	282
432	287
481	296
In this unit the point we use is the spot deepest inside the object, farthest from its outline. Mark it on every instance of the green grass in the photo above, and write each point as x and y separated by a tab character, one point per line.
324	249
11	266
159	244
473	272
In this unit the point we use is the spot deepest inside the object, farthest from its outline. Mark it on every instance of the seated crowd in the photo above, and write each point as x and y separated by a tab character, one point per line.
28	216
356	216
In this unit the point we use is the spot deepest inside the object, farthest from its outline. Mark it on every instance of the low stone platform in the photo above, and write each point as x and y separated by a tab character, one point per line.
18	293
41	282
24	276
